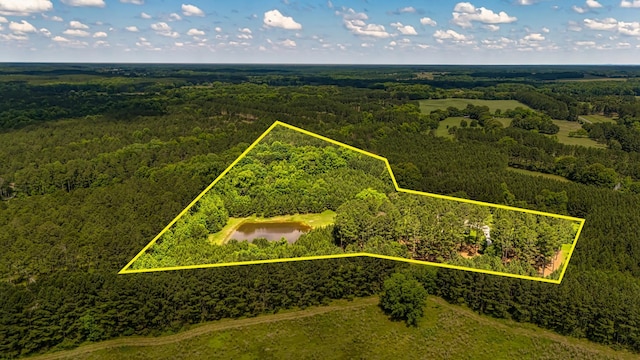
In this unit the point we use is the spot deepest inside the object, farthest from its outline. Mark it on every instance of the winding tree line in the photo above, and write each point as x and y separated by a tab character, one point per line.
61	245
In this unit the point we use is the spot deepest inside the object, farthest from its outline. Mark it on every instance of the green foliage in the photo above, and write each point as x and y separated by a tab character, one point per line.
403	298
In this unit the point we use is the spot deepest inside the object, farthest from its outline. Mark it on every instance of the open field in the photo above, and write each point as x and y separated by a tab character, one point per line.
598	118
314	220
445	124
536	173
426	106
356	329
568	126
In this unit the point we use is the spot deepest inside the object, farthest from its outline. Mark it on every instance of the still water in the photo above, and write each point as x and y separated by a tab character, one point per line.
271	231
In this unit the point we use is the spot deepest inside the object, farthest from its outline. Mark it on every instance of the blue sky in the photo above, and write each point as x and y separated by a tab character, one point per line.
321	31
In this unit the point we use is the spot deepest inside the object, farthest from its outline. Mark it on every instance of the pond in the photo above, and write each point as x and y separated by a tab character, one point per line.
272	231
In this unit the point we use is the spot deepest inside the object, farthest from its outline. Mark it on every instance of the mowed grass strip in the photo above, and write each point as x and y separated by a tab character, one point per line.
314	220
595	118
536	173
350	330
426	106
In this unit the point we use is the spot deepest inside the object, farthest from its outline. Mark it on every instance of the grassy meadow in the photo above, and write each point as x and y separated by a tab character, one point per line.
349	330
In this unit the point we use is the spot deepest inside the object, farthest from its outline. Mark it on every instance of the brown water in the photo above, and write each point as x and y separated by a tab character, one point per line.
272	231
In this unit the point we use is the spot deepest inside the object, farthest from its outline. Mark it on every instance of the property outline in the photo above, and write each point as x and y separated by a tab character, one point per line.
125	269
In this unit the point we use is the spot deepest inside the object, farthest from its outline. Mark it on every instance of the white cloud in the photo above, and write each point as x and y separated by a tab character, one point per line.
630	3
498	44
585	43
404	29
195	32
274	18
218	29
100	43
423	46
428	21
77	25
288	43
132	28
57	18
545	30
178	44
366	45
492	27
526	2
452	35
465	13
144	15
100	34
191	10
629	28
579	10
534	37
393	43
593	4
94	3
21	27
24	7
45	32
605	24
354	21
174	17
164	29
3	20
134	2
245	36
408	9
245	30
76	32
60	39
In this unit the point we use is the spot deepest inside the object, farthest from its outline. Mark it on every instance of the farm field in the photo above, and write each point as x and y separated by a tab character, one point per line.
568	126
426	106
536	173
356	329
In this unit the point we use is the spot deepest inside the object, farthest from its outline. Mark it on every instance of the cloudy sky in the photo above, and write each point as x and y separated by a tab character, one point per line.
321	31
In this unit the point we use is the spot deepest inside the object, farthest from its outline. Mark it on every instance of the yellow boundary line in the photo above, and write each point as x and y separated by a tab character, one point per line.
125	270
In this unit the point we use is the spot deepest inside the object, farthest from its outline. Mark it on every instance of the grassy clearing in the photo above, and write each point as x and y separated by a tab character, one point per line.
313	220
442	129
426	106
348	330
536	173
568	126
598	118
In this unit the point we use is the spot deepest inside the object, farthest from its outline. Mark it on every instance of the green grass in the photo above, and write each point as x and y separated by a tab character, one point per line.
426	106
353	330
536	173
568	126
442	129
598	118
313	220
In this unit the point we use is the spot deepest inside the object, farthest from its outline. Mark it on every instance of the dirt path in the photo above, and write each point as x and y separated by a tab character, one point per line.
557	262
226	324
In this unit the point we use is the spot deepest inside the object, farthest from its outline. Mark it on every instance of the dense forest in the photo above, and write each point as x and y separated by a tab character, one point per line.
85	186
288	172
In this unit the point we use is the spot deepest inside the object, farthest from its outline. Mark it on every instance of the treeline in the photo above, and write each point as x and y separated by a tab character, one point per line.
64	309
